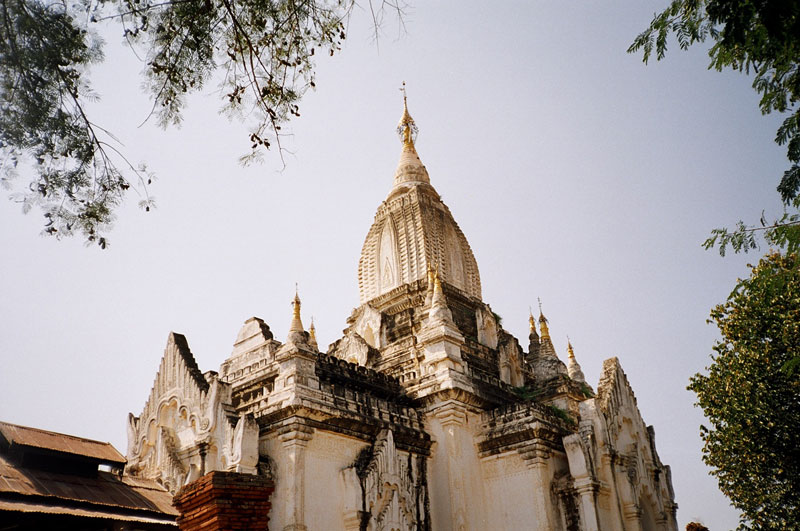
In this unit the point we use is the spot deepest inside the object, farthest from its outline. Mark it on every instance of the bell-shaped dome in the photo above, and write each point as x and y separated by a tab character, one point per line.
413	232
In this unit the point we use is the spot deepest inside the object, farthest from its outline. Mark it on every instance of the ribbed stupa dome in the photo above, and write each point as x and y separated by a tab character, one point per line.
414	231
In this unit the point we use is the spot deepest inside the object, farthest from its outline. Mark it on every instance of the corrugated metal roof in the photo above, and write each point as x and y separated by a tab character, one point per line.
26	507
59	442
104	489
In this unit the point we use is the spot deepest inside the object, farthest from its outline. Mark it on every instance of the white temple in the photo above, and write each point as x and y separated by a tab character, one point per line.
425	415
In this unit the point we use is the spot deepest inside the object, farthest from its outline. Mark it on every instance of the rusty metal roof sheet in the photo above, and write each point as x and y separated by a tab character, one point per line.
25	507
102	494
59	442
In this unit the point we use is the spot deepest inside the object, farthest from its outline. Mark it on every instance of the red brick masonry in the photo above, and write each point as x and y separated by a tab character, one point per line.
224	501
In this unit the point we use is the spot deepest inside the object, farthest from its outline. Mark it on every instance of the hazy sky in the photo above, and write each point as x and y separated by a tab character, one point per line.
577	173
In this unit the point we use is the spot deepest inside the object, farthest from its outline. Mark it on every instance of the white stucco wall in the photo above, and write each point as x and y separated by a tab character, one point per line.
325	456
456	486
510	489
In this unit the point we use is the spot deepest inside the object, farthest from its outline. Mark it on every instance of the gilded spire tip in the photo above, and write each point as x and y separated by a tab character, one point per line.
543	323
297	324
407	129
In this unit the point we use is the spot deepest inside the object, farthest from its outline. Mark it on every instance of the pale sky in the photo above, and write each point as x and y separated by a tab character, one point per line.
577	173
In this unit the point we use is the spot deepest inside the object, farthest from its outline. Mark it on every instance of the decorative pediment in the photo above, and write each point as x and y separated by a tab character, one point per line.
253	334
368	325
388	487
354	349
613	427
391	488
187	426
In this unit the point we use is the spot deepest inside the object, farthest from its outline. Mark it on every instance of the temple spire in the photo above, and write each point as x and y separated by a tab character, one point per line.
297	324
573	368
533	337
438	294
410	169
312	335
543	324
439	312
407	128
546	342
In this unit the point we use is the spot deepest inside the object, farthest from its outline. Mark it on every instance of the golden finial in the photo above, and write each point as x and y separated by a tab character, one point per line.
545	330
407	129
569	349
531	320
437	284
297	324
438	295
543	322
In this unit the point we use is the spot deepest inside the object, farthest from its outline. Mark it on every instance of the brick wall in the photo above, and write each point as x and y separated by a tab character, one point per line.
224	501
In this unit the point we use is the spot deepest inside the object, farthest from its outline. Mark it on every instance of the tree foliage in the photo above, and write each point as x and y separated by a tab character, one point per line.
758	37
752	401
783	233
44	53
261	52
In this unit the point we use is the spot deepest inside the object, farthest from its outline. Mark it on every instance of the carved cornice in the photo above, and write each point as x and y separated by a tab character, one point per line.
406	438
295	433
449	413
536	453
359	378
529	428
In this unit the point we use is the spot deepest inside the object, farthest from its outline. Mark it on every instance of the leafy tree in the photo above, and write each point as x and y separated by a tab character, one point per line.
761	37
782	233
751	394
751	401
260	51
